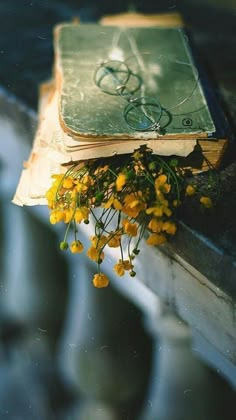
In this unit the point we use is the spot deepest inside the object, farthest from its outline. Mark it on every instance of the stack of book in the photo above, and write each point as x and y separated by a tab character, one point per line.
115	88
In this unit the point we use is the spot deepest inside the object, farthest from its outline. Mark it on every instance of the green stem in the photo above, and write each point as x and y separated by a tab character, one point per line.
67	230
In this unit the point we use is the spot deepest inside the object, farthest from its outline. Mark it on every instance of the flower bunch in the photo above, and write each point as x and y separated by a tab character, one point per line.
136	193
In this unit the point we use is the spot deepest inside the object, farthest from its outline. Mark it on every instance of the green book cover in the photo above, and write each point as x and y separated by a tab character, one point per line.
103	71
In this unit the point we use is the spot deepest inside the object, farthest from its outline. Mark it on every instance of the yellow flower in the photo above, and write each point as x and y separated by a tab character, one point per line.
137	155
51	194
113	202
155	225
134	204
166	211
53	190
87	180
156	211
190	190
95	254
161	184
98	241
83	184
127	265
130	228
120	181
76	247
101	169
121	266
166	188
81	187
81	213
161	198
56	216
74	193
169	227
68	214
68	182
206	201
156	239
58	179
114	240
160	209
100	280
160	180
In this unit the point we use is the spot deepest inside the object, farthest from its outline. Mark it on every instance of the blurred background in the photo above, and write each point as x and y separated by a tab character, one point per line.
49	319
26	34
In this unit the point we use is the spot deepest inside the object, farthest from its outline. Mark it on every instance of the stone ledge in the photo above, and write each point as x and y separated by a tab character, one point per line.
206	257
205	306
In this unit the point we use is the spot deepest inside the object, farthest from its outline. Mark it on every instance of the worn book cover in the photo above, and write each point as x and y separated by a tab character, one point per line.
102	71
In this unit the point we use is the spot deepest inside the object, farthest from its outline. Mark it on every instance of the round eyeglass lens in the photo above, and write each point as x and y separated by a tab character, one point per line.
143	114
111	76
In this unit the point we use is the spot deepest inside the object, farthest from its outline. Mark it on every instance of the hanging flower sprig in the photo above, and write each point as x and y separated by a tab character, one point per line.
136	193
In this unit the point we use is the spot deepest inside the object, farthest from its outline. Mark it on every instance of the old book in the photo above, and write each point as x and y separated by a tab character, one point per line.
161	69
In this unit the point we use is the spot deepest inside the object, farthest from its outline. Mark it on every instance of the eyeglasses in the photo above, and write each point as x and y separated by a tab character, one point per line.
142	113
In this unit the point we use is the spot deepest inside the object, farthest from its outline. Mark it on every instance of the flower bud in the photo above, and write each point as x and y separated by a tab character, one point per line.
132	273
64	245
